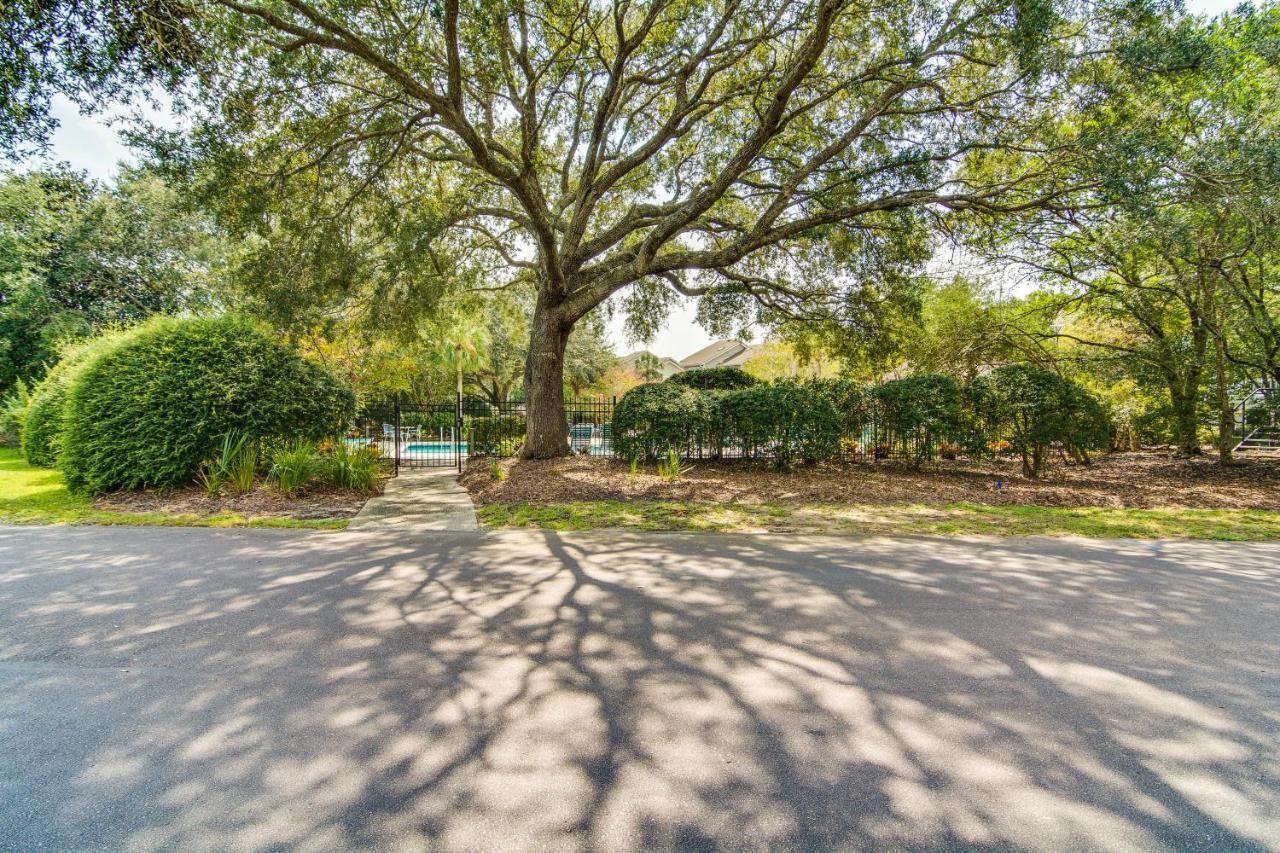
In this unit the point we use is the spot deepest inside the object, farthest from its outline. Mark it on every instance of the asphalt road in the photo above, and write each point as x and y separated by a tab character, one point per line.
202	689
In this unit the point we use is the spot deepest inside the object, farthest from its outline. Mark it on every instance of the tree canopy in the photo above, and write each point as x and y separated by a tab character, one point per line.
794	165
76	257
779	159
1167	253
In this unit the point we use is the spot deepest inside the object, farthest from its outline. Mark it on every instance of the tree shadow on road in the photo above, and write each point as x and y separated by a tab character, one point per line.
632	691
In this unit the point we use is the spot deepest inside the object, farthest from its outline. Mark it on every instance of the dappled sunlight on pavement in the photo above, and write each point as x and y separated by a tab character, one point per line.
210	689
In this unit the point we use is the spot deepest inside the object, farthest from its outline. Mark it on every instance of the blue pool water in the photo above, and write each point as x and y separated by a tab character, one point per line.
443	447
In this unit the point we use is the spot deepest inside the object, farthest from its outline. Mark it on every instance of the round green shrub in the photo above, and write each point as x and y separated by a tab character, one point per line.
43	420
149	410
715	379
852	402
651	419
1034	409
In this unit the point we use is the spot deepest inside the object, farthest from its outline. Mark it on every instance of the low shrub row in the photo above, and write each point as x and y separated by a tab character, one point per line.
1020	409
150	406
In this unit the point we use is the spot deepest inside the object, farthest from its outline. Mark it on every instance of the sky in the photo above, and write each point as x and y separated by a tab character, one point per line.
91	143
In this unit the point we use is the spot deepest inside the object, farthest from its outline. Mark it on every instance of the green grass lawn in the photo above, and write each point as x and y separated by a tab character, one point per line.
948	519
39	496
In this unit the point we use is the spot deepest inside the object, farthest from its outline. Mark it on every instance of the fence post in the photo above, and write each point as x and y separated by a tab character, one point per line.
457	425
396	438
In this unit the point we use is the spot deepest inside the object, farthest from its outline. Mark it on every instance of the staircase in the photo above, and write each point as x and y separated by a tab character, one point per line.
1255	437
1264	439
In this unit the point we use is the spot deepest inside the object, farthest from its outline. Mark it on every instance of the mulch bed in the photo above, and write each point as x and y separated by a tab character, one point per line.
1137	480
314	503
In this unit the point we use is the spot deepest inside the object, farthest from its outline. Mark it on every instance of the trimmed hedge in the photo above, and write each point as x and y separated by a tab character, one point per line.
652	419
854	404
1018	407
784	420
917	411
715	379
149	410
42	424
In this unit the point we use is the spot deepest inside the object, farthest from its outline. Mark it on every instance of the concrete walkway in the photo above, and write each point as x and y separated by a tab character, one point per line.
419	499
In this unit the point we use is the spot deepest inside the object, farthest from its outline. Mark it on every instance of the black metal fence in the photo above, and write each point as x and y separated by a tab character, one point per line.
498	431
445	434
411	435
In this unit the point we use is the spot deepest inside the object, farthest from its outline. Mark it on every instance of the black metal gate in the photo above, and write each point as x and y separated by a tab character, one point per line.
413	435
444	434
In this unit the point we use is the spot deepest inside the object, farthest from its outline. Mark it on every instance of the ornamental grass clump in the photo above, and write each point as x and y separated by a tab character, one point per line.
234	467
293	465
352	469
670	470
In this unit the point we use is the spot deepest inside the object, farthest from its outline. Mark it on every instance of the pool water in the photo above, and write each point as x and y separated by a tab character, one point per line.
434	447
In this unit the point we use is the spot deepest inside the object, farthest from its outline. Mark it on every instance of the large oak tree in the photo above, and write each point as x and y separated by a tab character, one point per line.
778	158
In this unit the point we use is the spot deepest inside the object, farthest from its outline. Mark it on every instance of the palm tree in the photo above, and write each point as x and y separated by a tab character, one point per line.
461	347
649	367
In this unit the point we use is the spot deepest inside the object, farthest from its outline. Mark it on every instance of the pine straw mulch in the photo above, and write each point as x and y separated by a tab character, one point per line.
312	503
1138	480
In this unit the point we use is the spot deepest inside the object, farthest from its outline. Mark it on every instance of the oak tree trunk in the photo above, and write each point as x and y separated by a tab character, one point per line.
1226	412
546	429
1184	423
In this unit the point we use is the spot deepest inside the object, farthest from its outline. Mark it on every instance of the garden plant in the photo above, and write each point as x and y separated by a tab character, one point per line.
154	406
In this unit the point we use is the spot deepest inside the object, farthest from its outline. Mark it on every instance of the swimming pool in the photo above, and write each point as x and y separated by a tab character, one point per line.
434	447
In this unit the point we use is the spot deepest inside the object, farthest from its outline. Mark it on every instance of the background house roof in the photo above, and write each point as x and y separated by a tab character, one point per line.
723	353
713	354
666	366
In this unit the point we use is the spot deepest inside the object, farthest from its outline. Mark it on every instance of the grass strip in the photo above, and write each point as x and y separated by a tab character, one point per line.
40	496
954	519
